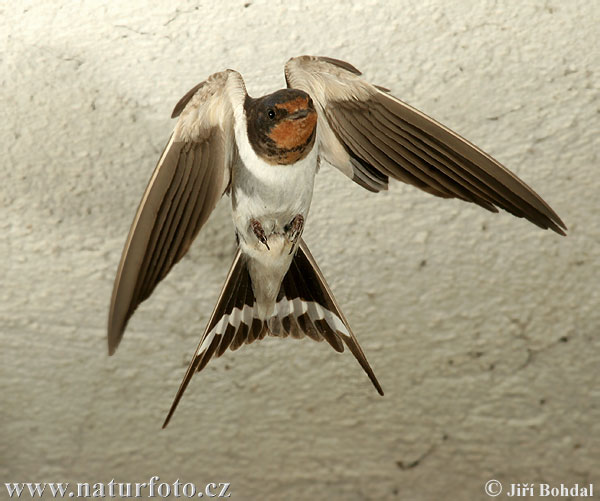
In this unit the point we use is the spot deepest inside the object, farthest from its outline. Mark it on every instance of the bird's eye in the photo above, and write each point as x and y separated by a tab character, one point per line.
271	114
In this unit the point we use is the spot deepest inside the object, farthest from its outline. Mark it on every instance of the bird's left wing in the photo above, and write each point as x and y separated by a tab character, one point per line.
191	176
370	136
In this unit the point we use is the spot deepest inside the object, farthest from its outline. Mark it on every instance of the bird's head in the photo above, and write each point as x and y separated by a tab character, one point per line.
282	125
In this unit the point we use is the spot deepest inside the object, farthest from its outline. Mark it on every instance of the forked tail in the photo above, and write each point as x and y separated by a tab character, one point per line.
305	307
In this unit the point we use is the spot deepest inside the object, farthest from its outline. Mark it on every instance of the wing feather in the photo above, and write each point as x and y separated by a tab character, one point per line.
163	245
362	129
381	156
191	176
441	163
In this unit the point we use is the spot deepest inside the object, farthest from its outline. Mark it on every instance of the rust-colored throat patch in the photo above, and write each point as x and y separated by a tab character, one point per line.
282	126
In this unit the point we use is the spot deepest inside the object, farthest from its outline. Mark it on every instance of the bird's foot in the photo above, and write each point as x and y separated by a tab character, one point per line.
259	232
293	230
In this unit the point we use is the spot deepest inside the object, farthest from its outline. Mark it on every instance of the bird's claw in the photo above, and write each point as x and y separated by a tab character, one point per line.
259	232
294	230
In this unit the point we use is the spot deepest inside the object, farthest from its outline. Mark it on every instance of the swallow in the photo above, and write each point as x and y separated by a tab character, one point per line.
264	153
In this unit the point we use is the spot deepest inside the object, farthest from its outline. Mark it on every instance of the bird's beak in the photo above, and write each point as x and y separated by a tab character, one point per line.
298	114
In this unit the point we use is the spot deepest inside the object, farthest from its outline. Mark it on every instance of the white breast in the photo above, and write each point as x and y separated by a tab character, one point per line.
271	194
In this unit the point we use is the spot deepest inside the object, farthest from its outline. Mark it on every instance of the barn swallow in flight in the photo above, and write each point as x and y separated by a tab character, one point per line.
264	153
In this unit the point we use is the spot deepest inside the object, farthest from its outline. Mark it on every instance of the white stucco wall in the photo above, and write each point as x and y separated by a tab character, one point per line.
483	330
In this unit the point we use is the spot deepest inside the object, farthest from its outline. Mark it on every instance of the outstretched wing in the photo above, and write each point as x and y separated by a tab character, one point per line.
370	136
191	176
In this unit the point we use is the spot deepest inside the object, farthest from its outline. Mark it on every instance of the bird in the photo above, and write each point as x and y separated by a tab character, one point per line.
264	153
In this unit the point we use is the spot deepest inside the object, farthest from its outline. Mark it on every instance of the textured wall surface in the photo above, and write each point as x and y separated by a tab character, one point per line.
483	329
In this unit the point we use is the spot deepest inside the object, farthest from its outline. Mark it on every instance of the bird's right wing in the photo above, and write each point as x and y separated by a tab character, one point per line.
371	136
191	176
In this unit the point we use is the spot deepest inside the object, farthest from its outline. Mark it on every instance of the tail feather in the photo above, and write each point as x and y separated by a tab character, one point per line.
301	289
231	324
316	282
305	307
